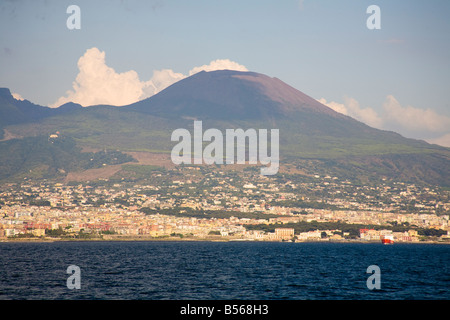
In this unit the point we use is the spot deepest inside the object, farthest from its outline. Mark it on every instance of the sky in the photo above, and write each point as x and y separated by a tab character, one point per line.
393	78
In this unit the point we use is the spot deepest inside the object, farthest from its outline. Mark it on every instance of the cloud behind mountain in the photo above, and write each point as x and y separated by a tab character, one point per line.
97	83
408	120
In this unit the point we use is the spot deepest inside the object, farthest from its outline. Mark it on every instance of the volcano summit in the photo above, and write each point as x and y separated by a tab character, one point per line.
313	137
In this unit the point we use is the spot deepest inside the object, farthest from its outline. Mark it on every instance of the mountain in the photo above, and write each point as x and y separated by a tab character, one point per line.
235	96
14	111
231	98
313	137
230	95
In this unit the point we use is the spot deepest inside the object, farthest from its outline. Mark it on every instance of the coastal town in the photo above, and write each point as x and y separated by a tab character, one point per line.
207	203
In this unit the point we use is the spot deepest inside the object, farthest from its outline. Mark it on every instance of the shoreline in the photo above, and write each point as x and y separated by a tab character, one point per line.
173	239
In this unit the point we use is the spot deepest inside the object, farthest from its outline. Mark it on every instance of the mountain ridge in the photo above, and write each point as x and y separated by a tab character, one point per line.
230	89
13	111
232	99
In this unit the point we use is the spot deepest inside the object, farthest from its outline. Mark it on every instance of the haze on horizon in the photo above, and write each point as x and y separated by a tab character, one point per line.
395	78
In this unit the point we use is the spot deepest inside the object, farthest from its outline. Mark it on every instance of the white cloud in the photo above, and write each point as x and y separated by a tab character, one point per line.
220	64
412	118
164	78
336	106
17	96
395	115
351	108
160	80
97	83
407	120
366	115
442	141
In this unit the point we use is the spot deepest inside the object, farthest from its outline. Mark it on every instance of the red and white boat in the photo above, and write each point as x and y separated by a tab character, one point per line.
387	239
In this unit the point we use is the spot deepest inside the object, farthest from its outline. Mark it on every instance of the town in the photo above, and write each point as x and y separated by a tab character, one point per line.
217	203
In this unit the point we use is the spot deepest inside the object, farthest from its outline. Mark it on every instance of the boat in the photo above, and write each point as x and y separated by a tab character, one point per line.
387	239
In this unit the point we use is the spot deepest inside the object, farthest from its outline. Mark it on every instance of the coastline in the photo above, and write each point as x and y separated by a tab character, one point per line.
208	239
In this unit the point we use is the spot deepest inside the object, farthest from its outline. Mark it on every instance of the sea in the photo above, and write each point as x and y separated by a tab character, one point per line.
191	270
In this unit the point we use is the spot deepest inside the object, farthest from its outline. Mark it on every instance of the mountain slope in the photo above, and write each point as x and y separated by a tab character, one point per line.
44	157
232	98
230	95
309	130
14	111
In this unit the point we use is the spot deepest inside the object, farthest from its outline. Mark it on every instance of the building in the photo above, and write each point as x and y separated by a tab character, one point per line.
38	232
369	234
310	235
284	233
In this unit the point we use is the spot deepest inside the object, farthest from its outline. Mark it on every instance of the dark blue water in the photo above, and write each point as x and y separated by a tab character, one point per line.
223	270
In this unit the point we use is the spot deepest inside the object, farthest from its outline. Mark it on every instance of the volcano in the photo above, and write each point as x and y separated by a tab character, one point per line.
230	95
234	97
311	134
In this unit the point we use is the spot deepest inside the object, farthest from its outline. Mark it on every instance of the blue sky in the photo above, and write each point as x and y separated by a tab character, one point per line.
395	78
